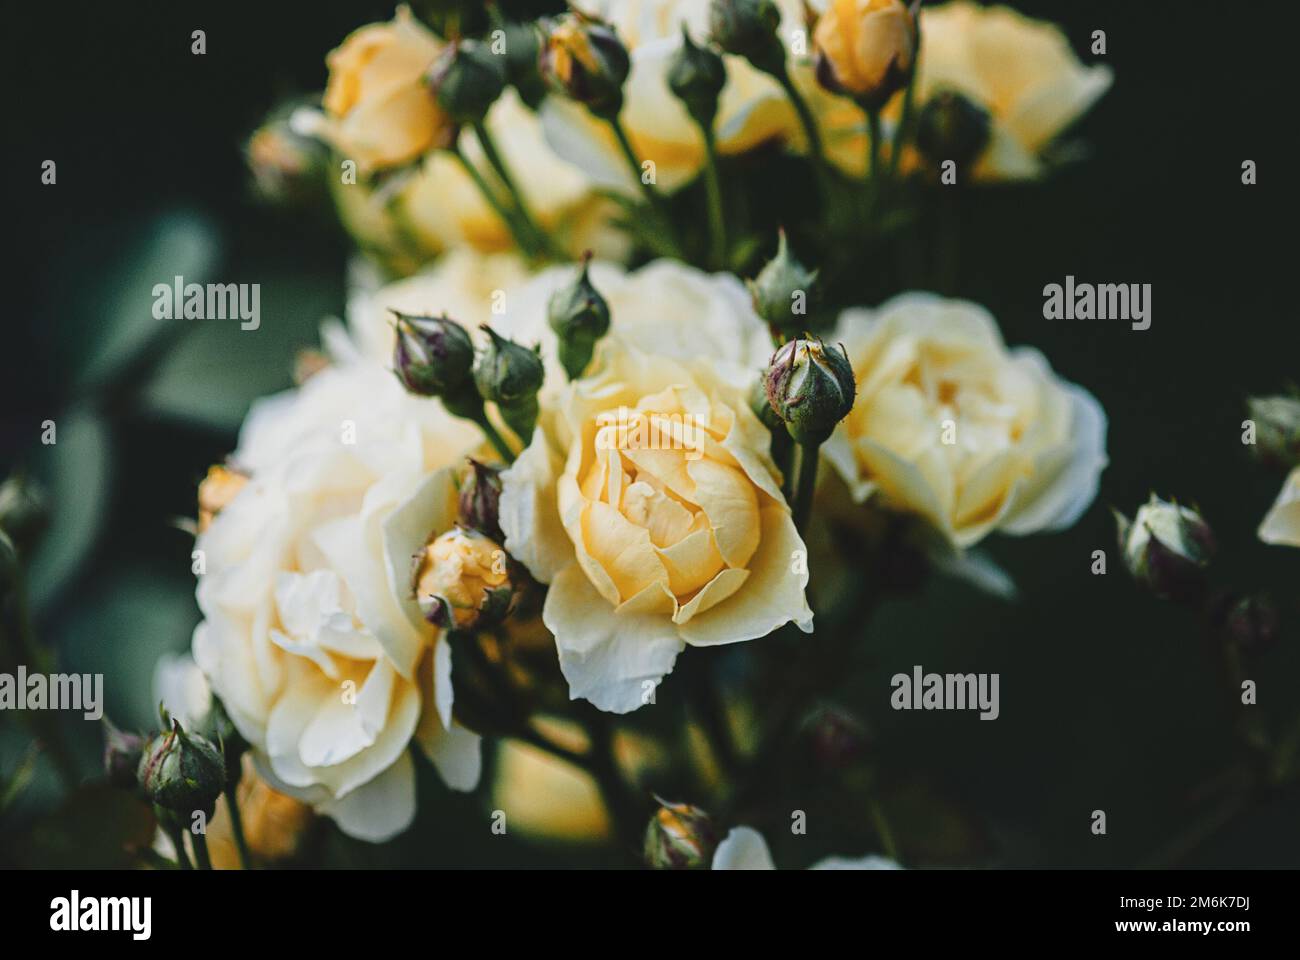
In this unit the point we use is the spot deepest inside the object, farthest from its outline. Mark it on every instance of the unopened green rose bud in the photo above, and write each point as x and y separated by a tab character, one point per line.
432	356
696	77
466	79
24	511
480	499
509	375
122	752
748	28
811	388
288	163
680	837
579	316
583	58
838	739
1166	548
783	292
952	127
182	772
522	47
1251	623
1277	430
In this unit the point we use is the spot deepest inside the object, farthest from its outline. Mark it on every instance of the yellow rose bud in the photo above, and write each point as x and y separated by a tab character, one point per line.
216	490
381	114
462	577
866	49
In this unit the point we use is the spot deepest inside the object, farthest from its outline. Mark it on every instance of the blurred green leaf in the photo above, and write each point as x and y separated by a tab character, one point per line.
76	472
176	244
98	826
212	376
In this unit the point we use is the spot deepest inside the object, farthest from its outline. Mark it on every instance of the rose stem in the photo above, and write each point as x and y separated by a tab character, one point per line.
545	245
237	827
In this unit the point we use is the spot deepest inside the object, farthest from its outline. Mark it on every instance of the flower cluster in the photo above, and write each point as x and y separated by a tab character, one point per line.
519	474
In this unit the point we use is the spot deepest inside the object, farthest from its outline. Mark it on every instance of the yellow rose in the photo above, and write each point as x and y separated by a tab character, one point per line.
1020	70
457	571
379	111
951	425
440	208
866	48
751	110
274	823
655	513
1282	524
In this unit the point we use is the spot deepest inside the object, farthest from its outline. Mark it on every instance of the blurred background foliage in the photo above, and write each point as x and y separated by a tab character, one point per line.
1108	697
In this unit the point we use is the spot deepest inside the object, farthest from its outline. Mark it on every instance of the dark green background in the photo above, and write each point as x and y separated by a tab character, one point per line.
1108	697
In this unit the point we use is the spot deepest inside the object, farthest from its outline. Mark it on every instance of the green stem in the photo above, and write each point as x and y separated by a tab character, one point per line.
625	145
543	241
495	438
523	238
178	841
806	118
875	182
201	851
904	125
803	497
713	186
237	827
883	830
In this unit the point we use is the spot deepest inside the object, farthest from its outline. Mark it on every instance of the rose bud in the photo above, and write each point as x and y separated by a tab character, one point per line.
466	79
480	499
583	58
432	356
679	837
523	46
1277	430
866	49
1167	548
182	772
462	581
951	127
509	375
811	388
579	316
837	738
122	752
780	285
221	485
1251	623
24	511
696	77
748	28
287	162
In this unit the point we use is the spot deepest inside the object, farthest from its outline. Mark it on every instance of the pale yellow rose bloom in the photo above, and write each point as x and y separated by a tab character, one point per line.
654	511
751	110
951	425
439	207
312	635
1281	525
1021	70
379	111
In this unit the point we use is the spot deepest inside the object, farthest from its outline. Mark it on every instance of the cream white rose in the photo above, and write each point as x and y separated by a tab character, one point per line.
1282	523
311	634
952	426
653	510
